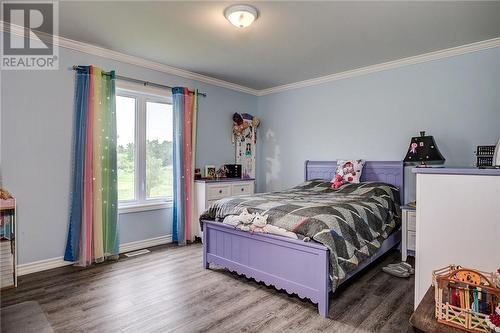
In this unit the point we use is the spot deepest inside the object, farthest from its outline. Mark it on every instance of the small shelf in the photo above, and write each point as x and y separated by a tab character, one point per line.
8	246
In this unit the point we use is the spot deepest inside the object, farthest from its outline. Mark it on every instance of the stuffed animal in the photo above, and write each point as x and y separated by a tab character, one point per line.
237	118
241	221
246	220
272	229
347	172
255	122
259	224
337	181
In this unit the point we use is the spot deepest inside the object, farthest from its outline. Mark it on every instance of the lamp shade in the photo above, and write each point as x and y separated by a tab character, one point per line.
423	149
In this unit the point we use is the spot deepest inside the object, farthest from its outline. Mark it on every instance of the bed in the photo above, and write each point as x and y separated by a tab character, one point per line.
299	267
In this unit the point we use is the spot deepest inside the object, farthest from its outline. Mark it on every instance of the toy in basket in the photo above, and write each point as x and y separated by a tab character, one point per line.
493	321
466	298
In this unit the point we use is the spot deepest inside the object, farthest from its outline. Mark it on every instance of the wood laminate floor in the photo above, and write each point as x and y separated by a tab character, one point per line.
169	291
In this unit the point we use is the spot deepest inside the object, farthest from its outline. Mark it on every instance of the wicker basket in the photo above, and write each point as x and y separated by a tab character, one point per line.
469	285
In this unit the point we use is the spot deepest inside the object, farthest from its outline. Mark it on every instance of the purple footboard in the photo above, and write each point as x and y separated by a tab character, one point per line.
297	267
292	265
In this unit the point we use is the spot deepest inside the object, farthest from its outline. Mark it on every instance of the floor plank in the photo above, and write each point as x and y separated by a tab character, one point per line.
167	290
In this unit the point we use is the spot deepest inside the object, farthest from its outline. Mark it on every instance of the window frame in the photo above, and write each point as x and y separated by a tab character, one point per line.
142	95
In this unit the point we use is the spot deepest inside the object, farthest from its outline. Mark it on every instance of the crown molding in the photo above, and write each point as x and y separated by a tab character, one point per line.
129	59
446	53
137	61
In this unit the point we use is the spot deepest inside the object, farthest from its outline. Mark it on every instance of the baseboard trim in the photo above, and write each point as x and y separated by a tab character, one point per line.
43	265
142	244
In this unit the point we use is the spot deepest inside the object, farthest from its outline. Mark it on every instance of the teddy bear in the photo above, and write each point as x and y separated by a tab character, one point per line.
259	224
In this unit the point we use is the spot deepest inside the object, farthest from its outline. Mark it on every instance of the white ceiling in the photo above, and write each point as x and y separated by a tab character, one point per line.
290	42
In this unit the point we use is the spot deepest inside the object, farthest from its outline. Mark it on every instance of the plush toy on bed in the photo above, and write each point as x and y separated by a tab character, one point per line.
348	171
242	221
259	224
337	181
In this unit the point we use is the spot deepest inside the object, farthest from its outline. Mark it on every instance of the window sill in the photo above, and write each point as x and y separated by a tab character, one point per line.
143	206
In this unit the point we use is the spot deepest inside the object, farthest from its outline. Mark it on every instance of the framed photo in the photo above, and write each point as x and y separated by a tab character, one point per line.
210	171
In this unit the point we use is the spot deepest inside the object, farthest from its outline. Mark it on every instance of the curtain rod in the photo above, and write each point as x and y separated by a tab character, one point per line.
144	83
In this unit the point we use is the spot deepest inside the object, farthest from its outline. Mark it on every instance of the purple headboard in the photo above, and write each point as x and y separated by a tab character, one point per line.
391	172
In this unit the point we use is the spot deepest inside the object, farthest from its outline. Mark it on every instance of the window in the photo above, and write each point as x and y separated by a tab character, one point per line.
144	120
125	150
158	150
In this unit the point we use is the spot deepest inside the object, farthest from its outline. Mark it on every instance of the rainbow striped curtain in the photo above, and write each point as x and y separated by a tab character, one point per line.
93	228
185	112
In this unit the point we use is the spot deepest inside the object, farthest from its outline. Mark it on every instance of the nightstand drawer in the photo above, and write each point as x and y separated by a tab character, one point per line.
411	240
241	189
218	192
412	221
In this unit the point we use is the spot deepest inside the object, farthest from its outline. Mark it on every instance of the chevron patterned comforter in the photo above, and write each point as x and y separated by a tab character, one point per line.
352	221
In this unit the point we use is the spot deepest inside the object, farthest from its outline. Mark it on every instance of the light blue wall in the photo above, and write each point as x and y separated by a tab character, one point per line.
457	100
36	134
373	116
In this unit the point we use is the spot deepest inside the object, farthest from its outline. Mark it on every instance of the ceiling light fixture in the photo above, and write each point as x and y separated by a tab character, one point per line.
241	16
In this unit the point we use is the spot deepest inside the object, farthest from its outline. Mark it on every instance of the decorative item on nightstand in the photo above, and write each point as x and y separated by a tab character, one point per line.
221	172
233	170
423	150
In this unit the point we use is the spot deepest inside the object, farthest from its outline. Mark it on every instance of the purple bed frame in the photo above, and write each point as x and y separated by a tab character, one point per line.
295	266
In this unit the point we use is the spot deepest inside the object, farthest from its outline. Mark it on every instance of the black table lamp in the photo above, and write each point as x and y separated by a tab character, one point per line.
423	150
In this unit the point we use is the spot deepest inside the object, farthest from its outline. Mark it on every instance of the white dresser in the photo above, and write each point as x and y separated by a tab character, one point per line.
458	221
209	191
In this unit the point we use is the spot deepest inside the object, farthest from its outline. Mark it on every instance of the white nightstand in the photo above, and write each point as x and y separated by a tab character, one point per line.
209	191
408	229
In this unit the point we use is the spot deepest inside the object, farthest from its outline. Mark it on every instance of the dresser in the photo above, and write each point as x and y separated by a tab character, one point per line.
408	239
208	191
458	221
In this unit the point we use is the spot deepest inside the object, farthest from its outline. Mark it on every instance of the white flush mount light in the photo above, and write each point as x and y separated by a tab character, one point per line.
241	16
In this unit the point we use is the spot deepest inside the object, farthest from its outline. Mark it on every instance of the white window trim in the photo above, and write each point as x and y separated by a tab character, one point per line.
135	207
142	89
142	95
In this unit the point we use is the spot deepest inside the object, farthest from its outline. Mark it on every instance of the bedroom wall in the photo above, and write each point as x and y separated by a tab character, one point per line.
36	134
373	116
